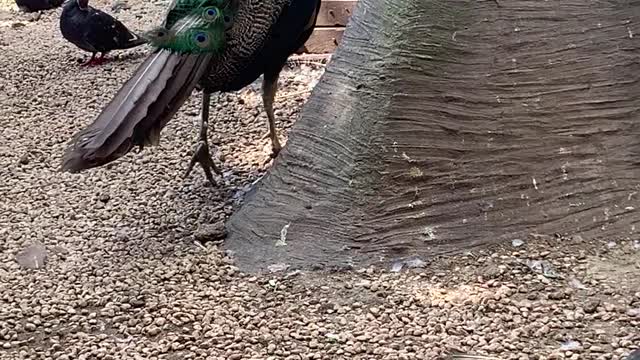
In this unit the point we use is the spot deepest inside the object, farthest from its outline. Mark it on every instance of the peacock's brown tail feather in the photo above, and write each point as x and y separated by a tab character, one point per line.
139	111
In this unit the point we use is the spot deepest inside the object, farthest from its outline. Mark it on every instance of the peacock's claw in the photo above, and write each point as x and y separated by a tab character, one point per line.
202	156
275	145
275	149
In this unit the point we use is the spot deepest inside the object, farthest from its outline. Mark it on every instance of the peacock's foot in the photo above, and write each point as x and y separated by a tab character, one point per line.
203	157
275	148
275	145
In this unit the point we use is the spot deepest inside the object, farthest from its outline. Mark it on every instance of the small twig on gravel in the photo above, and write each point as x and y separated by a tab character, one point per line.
311	57
293	94
315	59
199	244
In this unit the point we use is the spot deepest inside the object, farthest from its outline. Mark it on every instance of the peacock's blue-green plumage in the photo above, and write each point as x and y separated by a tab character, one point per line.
193	26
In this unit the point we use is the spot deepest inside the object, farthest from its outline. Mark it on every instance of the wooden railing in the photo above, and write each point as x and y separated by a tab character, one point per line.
332	19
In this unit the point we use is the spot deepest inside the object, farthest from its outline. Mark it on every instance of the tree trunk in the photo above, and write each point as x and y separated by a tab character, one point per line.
441	126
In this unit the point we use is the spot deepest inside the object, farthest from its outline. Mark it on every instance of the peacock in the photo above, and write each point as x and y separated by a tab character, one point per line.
212	45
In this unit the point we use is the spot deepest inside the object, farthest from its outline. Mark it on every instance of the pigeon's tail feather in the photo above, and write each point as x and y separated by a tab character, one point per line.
139	111
136	40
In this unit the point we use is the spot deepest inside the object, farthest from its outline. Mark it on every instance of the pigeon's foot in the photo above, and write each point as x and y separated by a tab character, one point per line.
101	60
203	157
93	61
89	62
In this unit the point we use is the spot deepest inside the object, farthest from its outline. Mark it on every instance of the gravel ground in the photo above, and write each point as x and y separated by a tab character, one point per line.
124	277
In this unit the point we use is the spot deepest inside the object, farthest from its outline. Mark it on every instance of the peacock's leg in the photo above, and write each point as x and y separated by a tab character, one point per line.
269	89
201	154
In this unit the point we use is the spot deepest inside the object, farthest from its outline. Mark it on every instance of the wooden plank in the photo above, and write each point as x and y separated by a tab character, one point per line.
335	12
323	40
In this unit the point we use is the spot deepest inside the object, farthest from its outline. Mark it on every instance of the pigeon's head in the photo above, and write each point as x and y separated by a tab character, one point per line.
83	4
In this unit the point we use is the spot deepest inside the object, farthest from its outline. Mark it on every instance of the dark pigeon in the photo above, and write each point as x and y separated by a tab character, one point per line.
95	31
38	5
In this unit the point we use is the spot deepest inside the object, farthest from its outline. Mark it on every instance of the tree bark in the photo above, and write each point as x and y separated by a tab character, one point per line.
441	126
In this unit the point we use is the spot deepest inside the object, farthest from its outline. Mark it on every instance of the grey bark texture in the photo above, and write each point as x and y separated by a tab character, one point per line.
441	126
